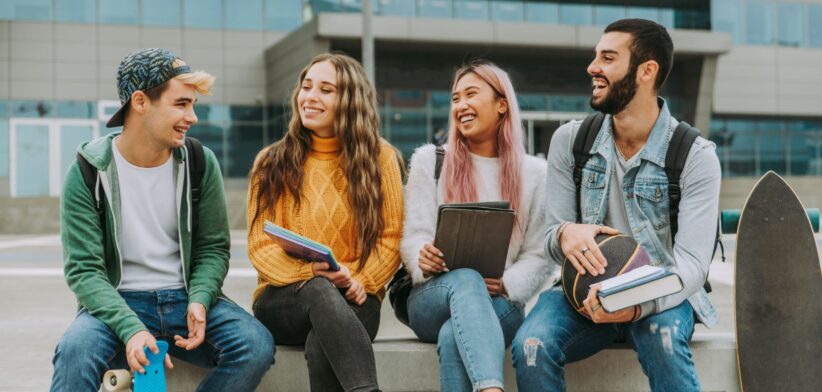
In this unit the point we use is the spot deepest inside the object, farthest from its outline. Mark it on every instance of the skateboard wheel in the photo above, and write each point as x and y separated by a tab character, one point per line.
117	380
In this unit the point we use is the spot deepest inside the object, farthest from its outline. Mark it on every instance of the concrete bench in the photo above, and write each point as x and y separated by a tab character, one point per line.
409	365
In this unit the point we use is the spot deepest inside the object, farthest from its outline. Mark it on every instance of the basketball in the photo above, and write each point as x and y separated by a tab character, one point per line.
623	254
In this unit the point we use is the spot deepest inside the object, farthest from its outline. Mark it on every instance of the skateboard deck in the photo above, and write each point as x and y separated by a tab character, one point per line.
153	380
777	293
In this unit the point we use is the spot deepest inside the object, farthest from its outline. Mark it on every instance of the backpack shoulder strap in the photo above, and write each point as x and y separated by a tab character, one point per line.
196	169
678	149
584	140
438	164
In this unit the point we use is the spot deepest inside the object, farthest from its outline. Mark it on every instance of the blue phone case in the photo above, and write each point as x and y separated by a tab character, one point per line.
154	379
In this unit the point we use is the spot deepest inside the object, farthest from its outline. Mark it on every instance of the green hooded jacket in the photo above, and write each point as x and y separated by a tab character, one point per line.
93	271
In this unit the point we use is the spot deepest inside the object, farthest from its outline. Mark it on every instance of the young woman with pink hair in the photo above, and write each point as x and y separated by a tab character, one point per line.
473	319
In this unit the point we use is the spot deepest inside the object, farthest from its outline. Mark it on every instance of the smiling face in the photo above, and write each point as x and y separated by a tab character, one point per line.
476	108
317	99
169	117
613	77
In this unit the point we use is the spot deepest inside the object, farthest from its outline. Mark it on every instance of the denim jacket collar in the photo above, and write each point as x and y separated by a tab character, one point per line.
657	144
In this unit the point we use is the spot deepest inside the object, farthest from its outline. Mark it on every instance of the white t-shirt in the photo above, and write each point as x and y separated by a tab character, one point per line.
149	239
617	216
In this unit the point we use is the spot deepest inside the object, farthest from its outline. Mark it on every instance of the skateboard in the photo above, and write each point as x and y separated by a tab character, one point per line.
154	379
777	292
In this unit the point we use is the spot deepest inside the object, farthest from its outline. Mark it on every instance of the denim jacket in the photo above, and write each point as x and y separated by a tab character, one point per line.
646	201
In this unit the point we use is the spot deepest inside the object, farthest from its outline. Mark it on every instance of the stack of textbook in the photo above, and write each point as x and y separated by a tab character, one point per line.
301	247
637	286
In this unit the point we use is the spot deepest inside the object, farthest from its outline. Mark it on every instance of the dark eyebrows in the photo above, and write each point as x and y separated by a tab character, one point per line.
185	100
608	51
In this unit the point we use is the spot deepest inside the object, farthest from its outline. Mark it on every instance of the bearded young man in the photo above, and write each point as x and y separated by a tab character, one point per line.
625	189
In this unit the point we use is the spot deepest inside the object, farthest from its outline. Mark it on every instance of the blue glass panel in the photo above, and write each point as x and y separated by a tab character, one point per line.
644	13
436	8
409	129
32	109
398	7
815	25
692	19
78	11
666	18
119	12
533	102
771	147
326	6
245	113
791	24
211	135
605	14
805	140
283	15
244	15
245	141
76	109
32	145
722	137
26	10
508	11
206	14
471	9
161	13
356	5
4	148
547	13
575	14
4	109
571	103
727	16
742	147
440	100
760	22
211	112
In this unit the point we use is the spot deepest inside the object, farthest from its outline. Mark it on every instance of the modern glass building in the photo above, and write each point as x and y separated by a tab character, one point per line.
745	71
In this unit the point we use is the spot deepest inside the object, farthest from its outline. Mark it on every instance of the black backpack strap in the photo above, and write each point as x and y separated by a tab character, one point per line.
678	149
586	135
196	168
90	179
438	164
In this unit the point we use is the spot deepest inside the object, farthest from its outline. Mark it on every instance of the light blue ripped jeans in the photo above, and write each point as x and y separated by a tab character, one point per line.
555	334
471	328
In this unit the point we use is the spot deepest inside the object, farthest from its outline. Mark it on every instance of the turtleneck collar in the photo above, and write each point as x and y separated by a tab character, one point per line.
324	148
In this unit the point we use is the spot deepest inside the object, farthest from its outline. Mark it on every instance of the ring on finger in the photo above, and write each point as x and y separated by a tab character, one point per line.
585	249
596	307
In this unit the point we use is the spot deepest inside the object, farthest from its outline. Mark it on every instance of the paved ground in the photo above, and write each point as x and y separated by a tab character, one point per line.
37	305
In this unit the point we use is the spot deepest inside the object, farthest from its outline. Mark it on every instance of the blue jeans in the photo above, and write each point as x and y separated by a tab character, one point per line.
471	328
238	348
555	334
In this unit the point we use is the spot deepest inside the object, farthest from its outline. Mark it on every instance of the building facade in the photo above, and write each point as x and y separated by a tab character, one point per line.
746	71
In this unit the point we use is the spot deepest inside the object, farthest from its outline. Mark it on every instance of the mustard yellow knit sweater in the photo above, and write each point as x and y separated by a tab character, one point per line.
325	216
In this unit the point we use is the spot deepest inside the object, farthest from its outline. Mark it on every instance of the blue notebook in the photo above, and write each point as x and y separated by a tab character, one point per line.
300	247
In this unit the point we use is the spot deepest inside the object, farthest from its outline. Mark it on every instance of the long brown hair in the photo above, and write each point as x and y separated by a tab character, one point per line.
279	168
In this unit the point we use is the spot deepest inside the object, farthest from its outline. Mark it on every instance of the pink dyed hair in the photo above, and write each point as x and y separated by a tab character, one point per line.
457	164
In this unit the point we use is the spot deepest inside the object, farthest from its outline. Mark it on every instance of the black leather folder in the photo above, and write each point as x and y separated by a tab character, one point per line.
475	235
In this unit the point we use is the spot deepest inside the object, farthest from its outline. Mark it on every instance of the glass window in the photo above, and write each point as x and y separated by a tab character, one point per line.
79	11
643	13
742	147
471	9
325	5
815	25
246	113
605	14
408	130
283	15
32	145
726	16
245	141
571	103
4	110
35	10
119	11
4	148
32	109
211	112
535	102
161	13
805	141
509	11
791	24
76	109
666	18
398	7
692	19
547	13
206	14
760	22
722	137
356	6
436	8
244	15
440	100
211	135
575	14
771	147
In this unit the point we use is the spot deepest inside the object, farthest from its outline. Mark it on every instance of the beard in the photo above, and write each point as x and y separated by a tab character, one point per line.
620	95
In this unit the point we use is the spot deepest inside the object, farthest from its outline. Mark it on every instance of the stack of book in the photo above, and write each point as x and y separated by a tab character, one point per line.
637	286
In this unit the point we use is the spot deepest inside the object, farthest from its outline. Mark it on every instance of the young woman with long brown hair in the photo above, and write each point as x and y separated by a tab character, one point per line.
472	319
333	179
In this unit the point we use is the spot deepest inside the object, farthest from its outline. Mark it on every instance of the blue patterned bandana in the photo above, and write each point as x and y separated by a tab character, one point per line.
140	71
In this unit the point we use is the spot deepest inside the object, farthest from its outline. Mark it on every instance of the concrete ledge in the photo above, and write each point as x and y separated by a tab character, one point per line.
409	365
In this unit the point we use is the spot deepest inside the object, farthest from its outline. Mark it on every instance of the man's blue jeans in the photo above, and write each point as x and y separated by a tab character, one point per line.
555	334
471	328
238	348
